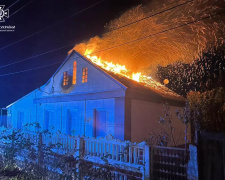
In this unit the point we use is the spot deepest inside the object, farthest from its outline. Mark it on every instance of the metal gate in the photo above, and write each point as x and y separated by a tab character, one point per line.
211	150
168	163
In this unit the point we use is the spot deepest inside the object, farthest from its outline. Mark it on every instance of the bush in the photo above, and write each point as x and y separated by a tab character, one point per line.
208	110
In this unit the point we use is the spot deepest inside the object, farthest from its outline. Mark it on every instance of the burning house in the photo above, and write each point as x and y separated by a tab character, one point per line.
87	96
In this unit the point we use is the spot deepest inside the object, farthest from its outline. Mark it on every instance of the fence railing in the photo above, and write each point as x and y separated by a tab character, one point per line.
115	150
66	143
154	161
108	148
101	150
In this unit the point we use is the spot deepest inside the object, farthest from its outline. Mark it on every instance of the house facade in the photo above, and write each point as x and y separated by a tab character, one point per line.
83	99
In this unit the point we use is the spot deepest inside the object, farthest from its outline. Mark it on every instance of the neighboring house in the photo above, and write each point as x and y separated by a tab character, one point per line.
83	99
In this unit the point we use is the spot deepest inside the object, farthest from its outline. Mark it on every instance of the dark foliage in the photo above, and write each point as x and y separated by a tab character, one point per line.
207	110
203	74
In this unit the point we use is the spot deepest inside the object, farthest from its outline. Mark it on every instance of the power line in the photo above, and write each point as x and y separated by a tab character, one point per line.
12	89
41	54
59	22
13	4
147	17
31	69
170	29
21	8
136	40
104	33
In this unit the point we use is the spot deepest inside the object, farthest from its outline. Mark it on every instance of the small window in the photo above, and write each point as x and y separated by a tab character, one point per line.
65	78
74	72
84	75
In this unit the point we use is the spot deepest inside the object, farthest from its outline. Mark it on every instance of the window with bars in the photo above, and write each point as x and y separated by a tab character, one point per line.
84	75
65	78
74	72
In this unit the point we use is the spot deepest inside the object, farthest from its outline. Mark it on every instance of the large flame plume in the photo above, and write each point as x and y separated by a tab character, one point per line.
116	68
182	44
123	71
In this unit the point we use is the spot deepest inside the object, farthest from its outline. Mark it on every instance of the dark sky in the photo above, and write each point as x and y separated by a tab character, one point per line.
36	16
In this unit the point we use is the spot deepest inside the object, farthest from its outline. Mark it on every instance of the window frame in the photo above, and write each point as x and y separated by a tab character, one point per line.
65	78
84	75
74	81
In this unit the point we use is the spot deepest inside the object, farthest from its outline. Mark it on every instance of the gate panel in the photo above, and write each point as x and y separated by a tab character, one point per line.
211	150
168	163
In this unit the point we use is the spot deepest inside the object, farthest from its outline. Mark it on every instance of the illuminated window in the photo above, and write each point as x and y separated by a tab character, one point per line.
65	78
74	72
84	75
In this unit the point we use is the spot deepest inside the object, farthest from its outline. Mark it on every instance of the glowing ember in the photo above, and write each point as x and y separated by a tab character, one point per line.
166	81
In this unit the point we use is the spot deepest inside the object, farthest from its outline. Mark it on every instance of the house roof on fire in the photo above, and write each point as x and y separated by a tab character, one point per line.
154	88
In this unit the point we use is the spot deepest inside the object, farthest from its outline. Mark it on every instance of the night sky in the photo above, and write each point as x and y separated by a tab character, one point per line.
36	15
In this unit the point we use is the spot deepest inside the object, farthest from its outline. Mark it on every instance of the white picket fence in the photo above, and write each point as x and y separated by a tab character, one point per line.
122	154
115	150
139	158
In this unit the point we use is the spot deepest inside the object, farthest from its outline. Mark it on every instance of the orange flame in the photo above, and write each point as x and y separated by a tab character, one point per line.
115	68
129	43
122	70
136	76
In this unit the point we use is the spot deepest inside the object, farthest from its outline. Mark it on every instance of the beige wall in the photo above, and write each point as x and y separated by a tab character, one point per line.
145	118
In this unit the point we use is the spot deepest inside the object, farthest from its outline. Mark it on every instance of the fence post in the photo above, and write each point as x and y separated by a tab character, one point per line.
40	152
192	167
146	174
80	147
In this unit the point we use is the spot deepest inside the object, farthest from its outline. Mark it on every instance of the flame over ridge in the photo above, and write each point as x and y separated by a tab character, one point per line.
123	71
116	68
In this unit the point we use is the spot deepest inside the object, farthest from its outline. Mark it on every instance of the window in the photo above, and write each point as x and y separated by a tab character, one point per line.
74	72
84	75
65	78
49	120
73	123
46	121
20	119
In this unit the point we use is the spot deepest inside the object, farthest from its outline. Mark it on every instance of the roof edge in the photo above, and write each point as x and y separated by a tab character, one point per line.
20	98
69	55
